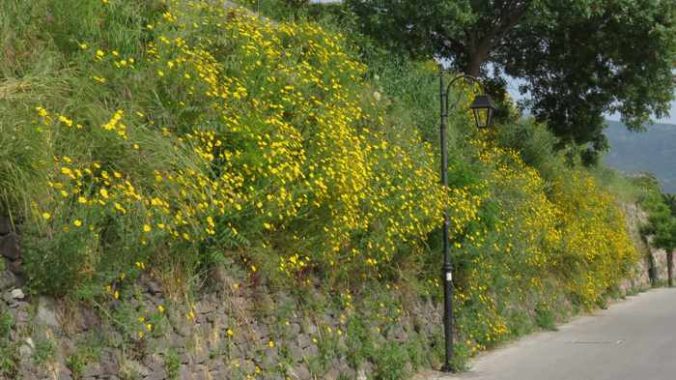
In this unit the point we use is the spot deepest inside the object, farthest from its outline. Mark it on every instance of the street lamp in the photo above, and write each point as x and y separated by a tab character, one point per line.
483	108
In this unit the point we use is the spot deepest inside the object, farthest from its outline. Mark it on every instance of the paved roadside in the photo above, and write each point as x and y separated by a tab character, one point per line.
631	340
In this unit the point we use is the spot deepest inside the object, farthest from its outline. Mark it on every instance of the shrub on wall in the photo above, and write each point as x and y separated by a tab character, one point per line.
186	132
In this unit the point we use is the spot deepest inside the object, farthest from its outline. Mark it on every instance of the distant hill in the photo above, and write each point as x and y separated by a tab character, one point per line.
651	151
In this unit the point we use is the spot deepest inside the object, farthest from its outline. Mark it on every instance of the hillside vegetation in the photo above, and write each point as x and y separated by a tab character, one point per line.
653	151
169	138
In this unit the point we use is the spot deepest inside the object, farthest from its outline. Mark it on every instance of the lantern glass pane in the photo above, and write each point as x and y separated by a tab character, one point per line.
481	116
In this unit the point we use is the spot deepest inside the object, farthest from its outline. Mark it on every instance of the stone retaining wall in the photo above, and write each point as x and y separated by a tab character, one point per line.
221	339
651	270
230	332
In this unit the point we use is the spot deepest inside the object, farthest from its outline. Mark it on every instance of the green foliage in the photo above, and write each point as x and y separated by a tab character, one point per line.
172	363
9	357
202	186
661	213
6	324
358	344
188	136
390	361
87	351
661	224
45	349
535	144
623	186
576	58
8	349
545	318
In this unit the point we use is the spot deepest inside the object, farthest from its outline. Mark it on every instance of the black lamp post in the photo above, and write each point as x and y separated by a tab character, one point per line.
482	108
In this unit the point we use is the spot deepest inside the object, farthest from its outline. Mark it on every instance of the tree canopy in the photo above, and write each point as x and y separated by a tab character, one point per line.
578	59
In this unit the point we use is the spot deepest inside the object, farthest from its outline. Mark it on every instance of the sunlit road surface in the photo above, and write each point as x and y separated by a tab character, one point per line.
634	339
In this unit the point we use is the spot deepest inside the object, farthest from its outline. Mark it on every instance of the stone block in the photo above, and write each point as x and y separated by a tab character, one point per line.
295	352
17	294
157	374
184	373
201	373
5	226
310	351
248	366
21	316
46	314
7	280
92	370
9	246
300	372
294	329
303	340
153	287
65	374
15	266
270	360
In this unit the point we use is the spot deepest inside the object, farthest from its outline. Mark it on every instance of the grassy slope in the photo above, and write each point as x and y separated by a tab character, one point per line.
138	136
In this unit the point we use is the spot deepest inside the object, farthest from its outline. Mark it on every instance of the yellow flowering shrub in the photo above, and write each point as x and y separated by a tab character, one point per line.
532	245
597	249
228	131
506	251
179	134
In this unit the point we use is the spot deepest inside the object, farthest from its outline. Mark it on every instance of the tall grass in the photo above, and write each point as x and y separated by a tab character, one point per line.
165	136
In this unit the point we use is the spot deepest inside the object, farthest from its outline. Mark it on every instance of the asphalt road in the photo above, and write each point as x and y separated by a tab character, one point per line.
631	340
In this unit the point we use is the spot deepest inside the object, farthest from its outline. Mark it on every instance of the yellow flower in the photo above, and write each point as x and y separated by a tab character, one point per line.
160	309
46	216
147	228
229	332
104	193
77	223
66	120
119	208
42	112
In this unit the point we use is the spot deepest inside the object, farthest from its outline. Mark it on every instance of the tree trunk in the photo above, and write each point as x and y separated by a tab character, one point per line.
476	58
652	270
670	268
477	50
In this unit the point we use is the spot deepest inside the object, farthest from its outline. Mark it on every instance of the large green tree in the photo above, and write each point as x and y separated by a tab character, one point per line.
578	59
